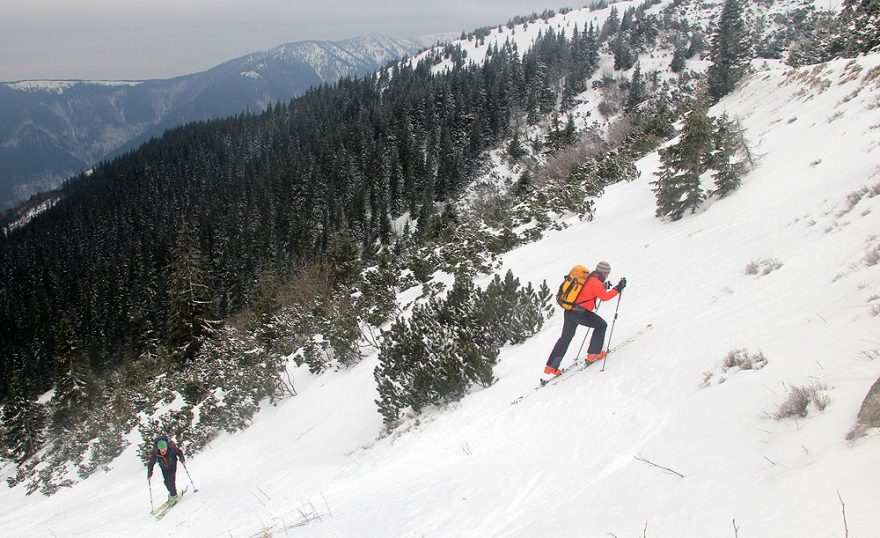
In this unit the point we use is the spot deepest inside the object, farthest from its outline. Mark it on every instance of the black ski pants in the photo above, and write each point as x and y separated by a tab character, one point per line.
170	476
573	318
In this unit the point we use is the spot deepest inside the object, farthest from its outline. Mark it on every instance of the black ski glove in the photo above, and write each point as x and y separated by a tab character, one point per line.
620	285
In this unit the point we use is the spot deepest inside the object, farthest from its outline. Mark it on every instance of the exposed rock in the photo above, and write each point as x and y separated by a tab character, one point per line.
869	415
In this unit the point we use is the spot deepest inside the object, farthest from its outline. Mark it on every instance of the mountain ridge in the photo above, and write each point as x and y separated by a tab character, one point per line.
57	128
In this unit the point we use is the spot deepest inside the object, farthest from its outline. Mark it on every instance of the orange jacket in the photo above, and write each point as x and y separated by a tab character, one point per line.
594	288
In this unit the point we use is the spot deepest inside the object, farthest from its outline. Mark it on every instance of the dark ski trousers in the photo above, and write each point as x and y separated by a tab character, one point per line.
170	476
573	318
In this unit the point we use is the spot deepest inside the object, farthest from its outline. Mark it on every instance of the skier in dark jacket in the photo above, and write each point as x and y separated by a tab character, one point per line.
584	314
166	453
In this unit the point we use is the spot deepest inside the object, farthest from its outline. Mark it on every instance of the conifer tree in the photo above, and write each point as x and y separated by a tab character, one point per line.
611	25
863	25
192	318
730	158
638	90
826	41
677	187
731	50
624	56
678	58
515	148
24	421
266	306
73	380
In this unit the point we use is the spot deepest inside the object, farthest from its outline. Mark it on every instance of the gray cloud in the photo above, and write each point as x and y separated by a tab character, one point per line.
133	39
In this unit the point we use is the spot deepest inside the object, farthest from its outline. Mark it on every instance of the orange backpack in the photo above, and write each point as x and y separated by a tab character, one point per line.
571	286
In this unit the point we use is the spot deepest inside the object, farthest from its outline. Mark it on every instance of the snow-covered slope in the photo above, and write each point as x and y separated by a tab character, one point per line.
573	460
524	35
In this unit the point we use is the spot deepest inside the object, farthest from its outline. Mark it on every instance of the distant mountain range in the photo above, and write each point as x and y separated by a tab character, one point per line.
50	130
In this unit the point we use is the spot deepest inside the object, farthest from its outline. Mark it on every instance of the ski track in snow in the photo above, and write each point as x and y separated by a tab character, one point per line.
562	463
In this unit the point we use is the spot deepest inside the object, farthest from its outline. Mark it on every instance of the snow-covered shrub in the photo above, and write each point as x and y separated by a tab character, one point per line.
872	255
447	344
109	444
736	360
763	266
800	398
742	359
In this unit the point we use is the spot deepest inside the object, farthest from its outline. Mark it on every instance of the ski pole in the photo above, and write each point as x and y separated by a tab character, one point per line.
150	486
610	334
195	489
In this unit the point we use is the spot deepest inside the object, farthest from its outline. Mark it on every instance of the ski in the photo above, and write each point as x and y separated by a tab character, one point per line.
579	366
160	512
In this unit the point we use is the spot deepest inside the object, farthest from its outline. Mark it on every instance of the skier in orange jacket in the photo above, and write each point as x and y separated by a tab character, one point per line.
583	314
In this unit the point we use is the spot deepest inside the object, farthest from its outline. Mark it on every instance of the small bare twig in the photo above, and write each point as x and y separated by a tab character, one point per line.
640	458
264	493
771	390
820	317
257	498
645	532
329	512
820	365
843	509
735	529
290	382
371	337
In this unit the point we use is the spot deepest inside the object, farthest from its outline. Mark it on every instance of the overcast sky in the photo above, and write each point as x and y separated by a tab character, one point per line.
139	39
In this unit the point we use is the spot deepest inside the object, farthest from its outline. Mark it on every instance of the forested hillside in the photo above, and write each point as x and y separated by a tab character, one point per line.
182	276
262	193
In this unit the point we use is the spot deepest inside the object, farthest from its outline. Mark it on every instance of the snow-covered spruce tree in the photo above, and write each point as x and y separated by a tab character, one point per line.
267	304
611	25
24	421
622	49
74	382
862	25
731	50
676	65
827	40
730	159
677	187
638	89
191	319
559	137
515	148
